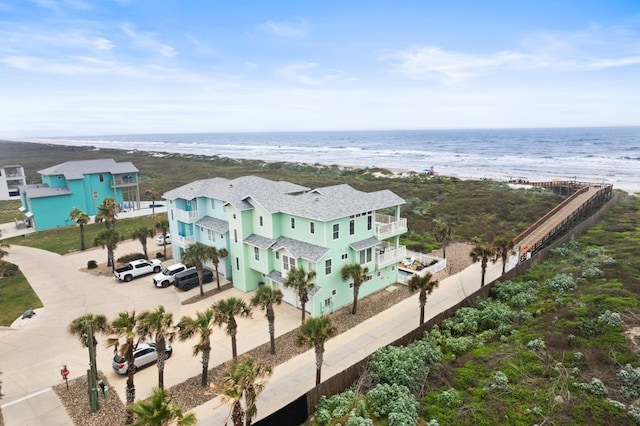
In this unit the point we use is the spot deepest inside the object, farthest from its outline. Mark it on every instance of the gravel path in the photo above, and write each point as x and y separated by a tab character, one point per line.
190	394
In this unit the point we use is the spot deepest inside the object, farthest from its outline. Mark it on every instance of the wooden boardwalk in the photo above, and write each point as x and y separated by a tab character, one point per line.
561	217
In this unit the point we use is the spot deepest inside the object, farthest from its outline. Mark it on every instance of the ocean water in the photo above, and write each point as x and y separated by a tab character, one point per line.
599	155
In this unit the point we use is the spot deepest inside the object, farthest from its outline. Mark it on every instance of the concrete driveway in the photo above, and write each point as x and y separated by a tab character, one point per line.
32	351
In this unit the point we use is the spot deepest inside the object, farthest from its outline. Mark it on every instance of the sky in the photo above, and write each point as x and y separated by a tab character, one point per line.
106	67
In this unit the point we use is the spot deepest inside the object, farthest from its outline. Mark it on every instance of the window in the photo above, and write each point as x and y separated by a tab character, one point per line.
327	267
101	177
344	256
350	285
261	221
327	302
293	223
211	234
234	215
237	263
369	222
312	227
256	253
336	231
235	235
213	203
288	263
334	292
352	227
365	255
95	195
277	255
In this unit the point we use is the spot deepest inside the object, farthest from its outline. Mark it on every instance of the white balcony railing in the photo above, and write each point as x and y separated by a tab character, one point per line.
184	240
186	215
386	254
388	225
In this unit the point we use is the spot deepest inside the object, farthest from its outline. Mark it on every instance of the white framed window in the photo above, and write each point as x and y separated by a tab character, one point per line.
352	227
334	292
277	255
235	235
312	228
95	195
293	223
327	302
344	256
369	222
336	231
101	177
237	263
288	263
366	255
261	221
350	285
327	267
256	253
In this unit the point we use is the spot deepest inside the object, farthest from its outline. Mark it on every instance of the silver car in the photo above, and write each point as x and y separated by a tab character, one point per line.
144	354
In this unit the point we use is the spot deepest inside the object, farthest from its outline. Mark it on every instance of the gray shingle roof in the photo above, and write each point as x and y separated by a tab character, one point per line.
77	169
322	204
365	244
259	241
300	249
43	190
217	225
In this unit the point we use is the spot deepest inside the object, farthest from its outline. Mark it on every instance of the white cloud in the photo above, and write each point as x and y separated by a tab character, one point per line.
299	72
299	29
147	40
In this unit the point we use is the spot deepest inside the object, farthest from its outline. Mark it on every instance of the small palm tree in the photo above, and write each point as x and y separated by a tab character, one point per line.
154	195
158	325
482	252
242	379
78	328
423	284
503	246
216	256
81	218
108	238
163	227
202	326
125	326
302	283
265	298
141	234
225	312
107	212
359	275
443	233
314	333
197	254
160	410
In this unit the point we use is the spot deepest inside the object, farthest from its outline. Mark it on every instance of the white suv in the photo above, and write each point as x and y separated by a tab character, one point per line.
165	278
144	354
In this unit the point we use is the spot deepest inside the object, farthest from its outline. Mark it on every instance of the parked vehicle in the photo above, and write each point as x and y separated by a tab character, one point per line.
165	278
186	280
163	239
144	354
137	268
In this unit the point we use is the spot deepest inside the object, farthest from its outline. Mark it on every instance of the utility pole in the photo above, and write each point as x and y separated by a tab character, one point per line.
92	373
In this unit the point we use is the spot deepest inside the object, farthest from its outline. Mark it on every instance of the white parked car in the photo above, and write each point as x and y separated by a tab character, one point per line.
162	240
165	278
144	354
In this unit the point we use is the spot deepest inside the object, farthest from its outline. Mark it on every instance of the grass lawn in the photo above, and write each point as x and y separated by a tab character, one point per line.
16	296
9	211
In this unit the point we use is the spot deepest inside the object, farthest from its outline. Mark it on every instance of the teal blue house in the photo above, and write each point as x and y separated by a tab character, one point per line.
271	227
77	184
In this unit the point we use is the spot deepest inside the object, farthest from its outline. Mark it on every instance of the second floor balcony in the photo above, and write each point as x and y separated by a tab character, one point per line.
387	254
184	240
187	216
120	181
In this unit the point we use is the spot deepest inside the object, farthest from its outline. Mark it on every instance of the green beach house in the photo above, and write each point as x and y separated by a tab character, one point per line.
271	227
77	184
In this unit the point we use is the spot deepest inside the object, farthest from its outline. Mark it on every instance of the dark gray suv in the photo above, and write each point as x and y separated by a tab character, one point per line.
186	280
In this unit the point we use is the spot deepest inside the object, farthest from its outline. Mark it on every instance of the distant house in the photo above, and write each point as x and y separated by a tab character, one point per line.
11	179
271	227
80	184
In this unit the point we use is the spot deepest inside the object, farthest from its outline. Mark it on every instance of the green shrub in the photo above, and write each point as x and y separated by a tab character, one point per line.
159	255
336	406
407	366
594	387
630	381
561	283
92	264
394	402
8	269
130	257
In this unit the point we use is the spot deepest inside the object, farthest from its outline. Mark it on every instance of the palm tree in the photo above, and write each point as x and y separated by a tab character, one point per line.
265	298
154	195
107	212
81	218
242	379
158	325
423	284
125	326
315	332
141	234
225	312
302	282
503	246
197	254
78	328
108	238
202	325
216	255
443	232
163	227
160	410
359	275
482	252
